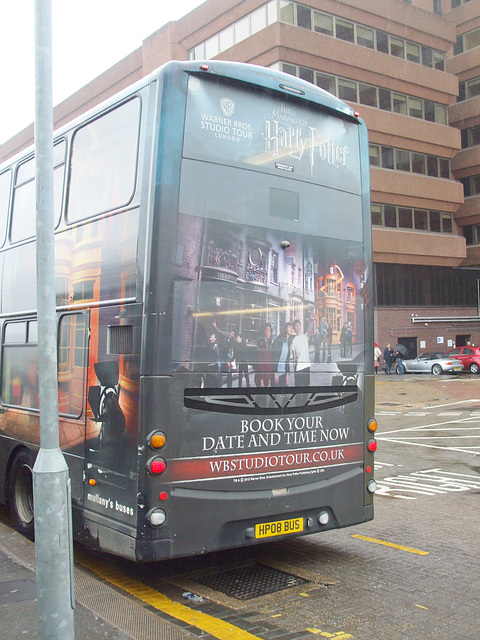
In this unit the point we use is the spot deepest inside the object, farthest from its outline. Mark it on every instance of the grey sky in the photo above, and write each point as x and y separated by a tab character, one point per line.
88	38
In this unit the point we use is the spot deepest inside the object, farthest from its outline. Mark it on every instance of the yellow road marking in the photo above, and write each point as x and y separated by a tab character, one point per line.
340	635
214	626
390	544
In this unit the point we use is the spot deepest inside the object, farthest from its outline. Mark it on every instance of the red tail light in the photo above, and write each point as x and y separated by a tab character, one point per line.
157	466
372	445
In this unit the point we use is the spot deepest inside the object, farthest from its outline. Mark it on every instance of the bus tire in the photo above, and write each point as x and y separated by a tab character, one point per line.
20	493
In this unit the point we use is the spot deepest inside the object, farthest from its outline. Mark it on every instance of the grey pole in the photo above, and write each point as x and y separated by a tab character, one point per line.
51	484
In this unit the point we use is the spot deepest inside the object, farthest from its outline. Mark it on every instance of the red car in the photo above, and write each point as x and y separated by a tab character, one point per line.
470	356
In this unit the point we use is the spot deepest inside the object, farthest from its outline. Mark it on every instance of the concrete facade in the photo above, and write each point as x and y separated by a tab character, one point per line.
400	61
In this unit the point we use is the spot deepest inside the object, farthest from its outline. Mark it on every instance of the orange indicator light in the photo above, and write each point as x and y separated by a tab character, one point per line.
372	425
158	440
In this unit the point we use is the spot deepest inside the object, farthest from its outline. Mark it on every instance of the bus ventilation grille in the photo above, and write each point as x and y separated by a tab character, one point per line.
251	581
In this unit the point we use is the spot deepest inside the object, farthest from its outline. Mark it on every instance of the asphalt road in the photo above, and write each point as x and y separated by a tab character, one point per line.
411	573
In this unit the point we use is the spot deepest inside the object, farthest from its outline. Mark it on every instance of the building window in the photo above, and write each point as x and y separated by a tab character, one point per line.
397	47
403	160
399	285
467	41
274	268
471	186
468	89
322	80
420	218
365	37
344	30
378	97
368	95
302	16
470	137
393	217
471	233
347	90
323	23
413	52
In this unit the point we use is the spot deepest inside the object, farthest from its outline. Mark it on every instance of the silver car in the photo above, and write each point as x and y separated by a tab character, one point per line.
432	362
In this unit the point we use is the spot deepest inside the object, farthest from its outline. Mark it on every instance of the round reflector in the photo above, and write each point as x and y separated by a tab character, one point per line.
156	517
323	518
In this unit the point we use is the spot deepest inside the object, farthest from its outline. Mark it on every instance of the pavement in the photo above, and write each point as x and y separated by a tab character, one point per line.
97	603
19	610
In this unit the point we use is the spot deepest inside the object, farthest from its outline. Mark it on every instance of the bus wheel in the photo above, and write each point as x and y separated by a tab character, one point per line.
20	493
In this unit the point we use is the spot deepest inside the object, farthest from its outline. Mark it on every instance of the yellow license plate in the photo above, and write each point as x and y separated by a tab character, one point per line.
280	528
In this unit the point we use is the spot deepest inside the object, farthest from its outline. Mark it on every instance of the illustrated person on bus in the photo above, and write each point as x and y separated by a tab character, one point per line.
240	352
281	354
214	374
226	346
264	371
301	354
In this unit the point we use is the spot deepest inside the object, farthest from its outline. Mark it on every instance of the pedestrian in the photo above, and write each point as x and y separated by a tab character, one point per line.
388	356
399	359
377	354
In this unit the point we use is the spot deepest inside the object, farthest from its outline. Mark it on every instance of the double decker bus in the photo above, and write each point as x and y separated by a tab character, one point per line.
213	278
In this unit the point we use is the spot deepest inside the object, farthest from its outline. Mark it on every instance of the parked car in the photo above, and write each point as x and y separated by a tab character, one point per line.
470	356
432	362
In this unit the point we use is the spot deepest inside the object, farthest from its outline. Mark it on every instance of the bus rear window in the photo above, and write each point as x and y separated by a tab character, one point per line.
270	133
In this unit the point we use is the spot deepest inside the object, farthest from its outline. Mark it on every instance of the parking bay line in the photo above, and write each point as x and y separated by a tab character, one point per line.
391	544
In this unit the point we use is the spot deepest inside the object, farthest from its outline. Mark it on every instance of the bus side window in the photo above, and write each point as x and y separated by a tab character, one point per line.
5	180
103	162
23	214
20	365
72	352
